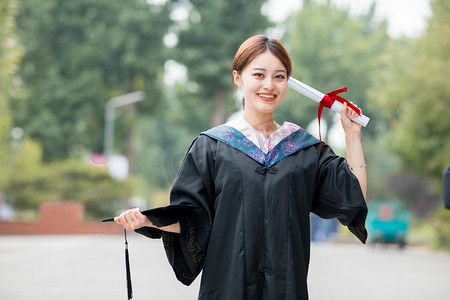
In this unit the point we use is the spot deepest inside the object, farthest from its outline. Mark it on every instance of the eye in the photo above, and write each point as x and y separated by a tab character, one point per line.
280	76
259	75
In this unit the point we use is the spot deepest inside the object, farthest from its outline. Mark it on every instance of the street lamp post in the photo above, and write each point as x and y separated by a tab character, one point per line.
108	140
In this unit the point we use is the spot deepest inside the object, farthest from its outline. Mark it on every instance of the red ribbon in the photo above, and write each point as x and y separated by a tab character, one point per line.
328	101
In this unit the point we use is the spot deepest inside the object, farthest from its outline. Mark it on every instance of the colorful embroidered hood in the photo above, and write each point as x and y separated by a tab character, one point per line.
296	141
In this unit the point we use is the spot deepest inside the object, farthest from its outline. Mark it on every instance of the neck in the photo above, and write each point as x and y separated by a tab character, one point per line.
264	124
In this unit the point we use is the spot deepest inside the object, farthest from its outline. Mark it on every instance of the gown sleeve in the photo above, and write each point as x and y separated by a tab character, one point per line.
191	188
338	194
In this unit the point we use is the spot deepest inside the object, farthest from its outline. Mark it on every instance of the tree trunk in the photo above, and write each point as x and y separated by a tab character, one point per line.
131	111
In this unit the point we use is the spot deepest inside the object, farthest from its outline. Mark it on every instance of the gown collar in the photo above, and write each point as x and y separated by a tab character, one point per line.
285	146
263	143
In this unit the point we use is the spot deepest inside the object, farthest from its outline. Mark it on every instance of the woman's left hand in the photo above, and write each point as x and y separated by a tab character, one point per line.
348	125
355	154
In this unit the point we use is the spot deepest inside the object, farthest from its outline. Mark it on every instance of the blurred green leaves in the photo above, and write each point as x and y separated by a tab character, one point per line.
68	180
66	59
414	95
79	54
208	43
331	49
10	54
441	224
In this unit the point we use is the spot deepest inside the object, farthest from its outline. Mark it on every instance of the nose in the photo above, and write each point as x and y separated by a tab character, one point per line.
269	84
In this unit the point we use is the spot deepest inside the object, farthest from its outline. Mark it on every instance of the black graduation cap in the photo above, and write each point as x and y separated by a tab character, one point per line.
160	217
165	215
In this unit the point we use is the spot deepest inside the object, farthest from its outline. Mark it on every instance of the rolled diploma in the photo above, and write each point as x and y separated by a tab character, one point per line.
317	96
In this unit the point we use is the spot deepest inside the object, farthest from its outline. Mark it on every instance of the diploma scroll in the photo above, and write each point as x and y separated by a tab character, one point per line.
317	96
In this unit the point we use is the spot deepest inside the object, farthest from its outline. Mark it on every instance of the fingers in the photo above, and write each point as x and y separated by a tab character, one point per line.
344	108
131	219
351	113
345	112
348	111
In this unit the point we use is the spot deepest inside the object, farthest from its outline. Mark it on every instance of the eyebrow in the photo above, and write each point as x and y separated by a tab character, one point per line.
262	69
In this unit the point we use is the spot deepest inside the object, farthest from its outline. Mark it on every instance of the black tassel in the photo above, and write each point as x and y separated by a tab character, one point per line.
127	263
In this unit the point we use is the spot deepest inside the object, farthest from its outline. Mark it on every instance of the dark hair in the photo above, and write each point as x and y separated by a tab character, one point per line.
257	45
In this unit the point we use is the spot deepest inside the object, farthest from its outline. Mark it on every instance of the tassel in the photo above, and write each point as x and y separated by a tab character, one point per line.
127	264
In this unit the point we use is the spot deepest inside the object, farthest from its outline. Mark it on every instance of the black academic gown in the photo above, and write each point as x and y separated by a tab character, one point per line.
248	225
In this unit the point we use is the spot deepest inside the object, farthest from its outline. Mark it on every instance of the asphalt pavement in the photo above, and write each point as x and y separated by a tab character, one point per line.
93	267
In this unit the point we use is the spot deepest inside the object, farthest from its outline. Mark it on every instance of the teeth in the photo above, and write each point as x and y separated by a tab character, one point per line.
267	96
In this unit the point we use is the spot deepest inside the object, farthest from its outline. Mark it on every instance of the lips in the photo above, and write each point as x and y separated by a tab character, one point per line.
267	97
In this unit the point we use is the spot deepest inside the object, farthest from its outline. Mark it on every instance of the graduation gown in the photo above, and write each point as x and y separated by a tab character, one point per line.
246	223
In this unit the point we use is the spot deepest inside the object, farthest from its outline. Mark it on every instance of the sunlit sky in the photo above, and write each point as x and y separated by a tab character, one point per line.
405	17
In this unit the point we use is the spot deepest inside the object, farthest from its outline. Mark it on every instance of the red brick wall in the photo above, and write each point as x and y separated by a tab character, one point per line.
59	218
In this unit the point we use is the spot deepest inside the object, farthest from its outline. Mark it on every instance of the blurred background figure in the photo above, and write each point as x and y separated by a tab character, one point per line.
388	222
446	186
323	230
6	210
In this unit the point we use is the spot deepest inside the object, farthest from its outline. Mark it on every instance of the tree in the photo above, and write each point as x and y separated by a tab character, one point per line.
329	50
78	54
414	98
10	55
207	44
442	228
68	180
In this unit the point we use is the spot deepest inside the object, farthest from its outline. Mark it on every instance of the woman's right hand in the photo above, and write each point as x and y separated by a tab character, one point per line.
133	219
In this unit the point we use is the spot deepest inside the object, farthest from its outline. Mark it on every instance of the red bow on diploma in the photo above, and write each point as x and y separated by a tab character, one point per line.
328	101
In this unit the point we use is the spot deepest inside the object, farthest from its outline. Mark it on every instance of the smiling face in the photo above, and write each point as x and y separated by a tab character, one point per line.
263	82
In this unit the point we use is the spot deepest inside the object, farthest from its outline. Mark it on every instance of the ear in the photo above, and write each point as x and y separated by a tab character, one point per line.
237	79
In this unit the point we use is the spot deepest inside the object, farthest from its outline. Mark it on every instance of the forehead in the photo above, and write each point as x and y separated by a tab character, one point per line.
266	61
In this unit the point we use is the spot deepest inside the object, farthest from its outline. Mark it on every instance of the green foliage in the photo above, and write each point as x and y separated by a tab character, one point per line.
161	146
188	111
9	84
207	44
79	54
329	50
69	180
414	97
161	142
441	222
30	182
27	154
381	163
386	181
417	193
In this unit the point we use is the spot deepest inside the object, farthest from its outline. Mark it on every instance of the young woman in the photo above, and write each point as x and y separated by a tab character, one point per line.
241	200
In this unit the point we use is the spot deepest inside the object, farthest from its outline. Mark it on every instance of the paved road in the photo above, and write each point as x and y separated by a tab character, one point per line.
357	272
84	268
92	267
